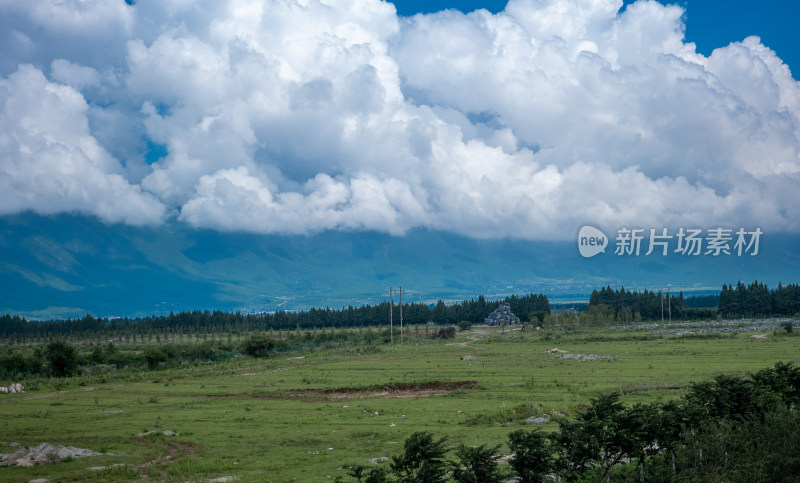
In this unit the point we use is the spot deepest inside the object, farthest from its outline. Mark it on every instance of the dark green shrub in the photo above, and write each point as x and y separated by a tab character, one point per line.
533	455
422	460
154	357
62	358
444	333
477	465
260	346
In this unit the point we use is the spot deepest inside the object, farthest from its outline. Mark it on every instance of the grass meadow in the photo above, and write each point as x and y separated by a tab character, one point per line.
308	415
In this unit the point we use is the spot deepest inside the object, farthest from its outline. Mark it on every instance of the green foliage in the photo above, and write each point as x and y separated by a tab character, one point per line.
783	380
477	464
727	397
62	358
378	474
464	325
358	472
16	363
422	460
623	305
260	346
757	300
537	317
533	455
364	474
98	355
154	357
206	322
758	449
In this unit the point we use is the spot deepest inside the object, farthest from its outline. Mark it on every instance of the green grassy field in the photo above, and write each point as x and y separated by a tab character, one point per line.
289	417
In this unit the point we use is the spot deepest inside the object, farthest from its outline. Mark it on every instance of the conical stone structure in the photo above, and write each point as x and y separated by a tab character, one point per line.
500	315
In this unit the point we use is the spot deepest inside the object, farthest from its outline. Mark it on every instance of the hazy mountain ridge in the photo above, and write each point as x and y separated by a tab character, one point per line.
70	265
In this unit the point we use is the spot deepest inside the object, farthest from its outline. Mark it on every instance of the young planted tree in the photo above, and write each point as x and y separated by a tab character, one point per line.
477	465
533	455
260	346
62	357
422	460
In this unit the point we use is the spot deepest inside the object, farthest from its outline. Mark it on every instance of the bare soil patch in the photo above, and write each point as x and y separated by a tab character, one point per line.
394	390
404	390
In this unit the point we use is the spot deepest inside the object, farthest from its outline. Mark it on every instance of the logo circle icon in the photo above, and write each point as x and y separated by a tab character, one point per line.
591	241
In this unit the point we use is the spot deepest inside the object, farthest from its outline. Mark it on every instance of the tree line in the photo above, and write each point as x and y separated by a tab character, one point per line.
216	322
629	306
728	429
754	300
757	300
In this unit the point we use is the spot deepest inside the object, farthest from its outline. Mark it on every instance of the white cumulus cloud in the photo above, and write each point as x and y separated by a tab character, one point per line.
297	116
49	161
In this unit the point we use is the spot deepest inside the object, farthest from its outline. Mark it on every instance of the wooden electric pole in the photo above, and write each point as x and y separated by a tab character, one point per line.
669	302
401	315
391	309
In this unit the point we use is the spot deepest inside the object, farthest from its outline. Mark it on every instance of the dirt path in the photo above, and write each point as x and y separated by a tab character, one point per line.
174	451
473	337
272	371
49	394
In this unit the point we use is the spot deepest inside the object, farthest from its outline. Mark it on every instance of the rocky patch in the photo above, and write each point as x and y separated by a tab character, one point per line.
45	453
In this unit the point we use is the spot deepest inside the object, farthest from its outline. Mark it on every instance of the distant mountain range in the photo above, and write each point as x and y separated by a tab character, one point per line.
71	265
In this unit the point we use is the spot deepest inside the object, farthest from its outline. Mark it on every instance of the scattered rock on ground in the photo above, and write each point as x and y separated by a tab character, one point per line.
45	453
15	388
539	420
375	461
583	357
468	358
101	468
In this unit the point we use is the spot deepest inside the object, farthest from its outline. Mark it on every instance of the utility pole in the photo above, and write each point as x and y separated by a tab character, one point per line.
401	315
391	309
661	296
669	303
